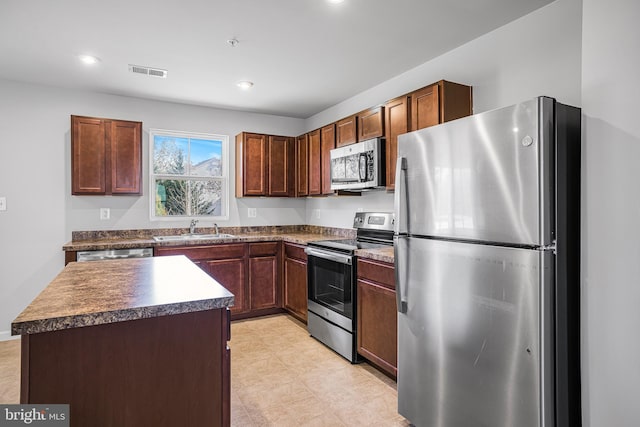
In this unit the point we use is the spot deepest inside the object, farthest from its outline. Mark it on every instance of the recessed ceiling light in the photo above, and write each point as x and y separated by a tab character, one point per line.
245	84
88	59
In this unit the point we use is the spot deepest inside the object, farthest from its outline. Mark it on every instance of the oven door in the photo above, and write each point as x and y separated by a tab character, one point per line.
330	282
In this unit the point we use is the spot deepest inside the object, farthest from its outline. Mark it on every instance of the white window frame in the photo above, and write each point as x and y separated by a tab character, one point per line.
224	177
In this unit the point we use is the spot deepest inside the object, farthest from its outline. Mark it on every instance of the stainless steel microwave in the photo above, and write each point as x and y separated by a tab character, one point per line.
358	166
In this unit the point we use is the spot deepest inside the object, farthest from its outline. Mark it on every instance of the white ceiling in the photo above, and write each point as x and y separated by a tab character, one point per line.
302	55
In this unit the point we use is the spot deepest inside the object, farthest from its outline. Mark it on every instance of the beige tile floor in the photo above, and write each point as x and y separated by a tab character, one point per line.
279	377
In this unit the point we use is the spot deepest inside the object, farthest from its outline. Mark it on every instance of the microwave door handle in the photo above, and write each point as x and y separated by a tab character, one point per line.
362	158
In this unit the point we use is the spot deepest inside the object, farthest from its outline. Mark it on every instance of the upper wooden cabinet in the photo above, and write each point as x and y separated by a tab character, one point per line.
302	165
280	166
396	123
431	105
264	165
347	131
106	156
314	163
327	143
251	164
439	103
371	123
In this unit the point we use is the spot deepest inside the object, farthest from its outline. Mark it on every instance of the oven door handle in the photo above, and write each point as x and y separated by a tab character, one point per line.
331	256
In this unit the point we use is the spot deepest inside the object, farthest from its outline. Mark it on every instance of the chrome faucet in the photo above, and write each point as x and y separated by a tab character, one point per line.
192	226
215	226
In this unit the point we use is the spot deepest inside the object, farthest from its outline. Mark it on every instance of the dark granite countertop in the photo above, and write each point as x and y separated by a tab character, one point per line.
94	293
300	234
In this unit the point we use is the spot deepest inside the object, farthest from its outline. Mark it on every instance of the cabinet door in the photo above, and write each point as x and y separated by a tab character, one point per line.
263	280
347	131
302	166
314	162
396	123
425	107
230	273
371	124
126	154
295	287
251	165
328	143
377	325
280	151
88	155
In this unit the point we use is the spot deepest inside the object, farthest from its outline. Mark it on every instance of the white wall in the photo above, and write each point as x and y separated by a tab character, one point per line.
35	178
611	213
538	54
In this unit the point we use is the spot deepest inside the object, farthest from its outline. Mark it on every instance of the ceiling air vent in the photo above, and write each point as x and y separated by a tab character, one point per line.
148	71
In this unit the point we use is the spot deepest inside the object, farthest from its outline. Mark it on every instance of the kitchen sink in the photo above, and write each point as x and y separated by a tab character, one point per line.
187	237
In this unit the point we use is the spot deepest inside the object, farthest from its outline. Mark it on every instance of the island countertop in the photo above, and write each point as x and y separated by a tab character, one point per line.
94	293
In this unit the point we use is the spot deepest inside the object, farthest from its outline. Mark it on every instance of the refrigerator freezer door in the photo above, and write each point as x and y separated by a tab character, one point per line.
469	344
485	177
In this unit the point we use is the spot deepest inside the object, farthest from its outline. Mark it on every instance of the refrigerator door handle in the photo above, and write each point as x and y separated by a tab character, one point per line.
400	197
401	270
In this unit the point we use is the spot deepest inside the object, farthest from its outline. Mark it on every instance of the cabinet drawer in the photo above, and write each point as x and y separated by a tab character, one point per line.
204	252
295	251
263	249
378	272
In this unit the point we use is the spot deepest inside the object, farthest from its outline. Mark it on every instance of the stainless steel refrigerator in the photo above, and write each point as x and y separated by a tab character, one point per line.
487	253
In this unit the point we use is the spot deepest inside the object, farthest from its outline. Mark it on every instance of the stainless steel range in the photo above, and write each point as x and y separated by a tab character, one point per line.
331	280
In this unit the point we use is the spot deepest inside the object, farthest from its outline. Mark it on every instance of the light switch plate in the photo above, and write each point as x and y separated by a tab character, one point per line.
3	203
105	213
252	213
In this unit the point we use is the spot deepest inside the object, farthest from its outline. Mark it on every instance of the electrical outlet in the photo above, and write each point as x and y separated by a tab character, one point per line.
252	212
3	203
105	213
316	213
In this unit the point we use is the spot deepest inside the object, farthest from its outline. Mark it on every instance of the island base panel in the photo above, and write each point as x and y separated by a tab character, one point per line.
161	371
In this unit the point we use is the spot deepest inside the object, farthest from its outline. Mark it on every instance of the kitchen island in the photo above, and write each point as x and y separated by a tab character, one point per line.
134	342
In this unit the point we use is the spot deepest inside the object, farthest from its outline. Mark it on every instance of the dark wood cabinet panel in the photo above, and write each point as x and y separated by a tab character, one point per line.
371	123
251	164
396	123
302	166
314	163
377	323
106	156
263	280
160	371
438	103
327	143
250	271
295	281
425	107
280	163
456	100
126	157
89	152
347	131
230	273
222	251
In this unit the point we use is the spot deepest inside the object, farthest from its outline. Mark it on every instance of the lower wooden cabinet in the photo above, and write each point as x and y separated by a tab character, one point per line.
230	273
264	261
377	321
295	281
250	271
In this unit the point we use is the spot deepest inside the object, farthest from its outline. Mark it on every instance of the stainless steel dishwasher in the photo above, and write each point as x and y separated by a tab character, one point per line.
113	254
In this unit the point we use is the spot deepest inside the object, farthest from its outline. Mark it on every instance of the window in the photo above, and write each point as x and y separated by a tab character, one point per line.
189	175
